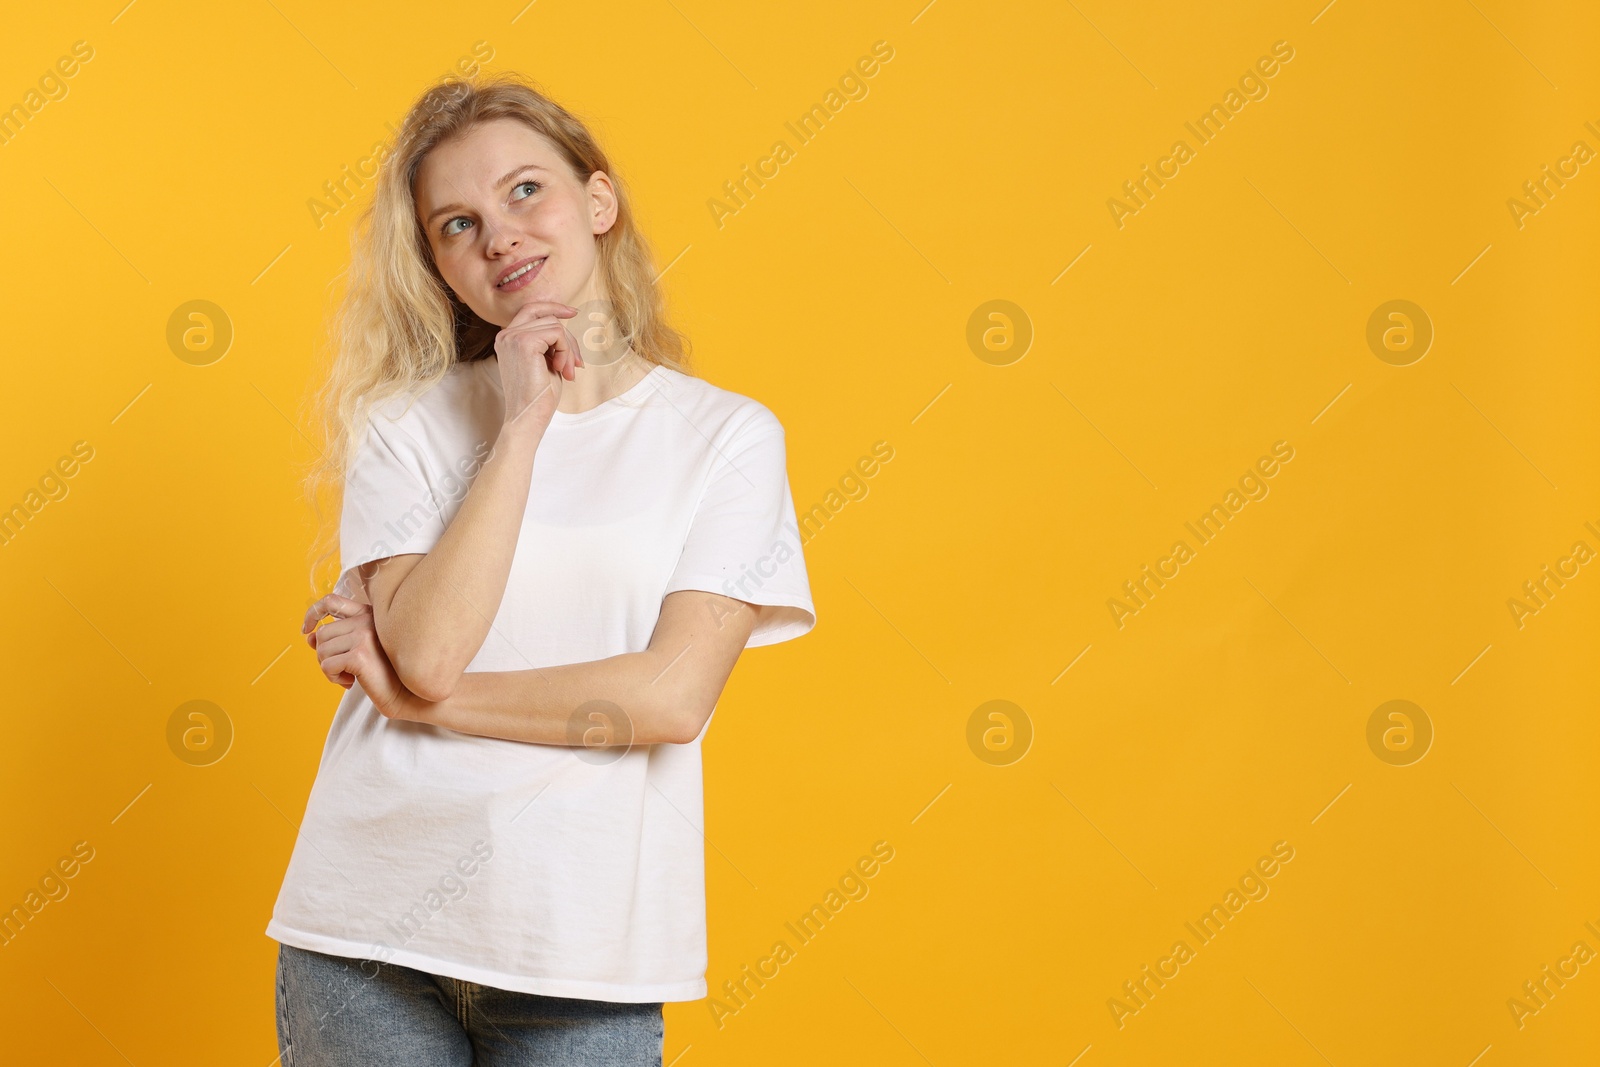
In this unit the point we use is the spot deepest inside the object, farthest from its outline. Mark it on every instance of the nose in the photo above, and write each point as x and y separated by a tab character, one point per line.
501	238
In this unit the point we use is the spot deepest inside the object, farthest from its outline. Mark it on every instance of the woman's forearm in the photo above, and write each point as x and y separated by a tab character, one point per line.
629	699
439	615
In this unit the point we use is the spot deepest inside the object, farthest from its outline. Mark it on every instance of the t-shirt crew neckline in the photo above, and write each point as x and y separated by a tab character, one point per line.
628	398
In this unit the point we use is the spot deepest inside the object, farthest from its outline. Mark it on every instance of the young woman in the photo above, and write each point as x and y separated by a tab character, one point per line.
555	541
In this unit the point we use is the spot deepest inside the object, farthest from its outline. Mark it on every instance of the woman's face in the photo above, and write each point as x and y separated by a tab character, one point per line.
500	198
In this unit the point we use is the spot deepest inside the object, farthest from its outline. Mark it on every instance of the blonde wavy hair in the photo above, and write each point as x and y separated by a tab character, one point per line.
399	328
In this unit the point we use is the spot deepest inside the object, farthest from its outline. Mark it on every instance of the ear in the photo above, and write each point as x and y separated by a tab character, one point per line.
602	202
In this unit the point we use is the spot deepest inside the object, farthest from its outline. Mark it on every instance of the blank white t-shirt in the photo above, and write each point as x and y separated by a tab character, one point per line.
564	871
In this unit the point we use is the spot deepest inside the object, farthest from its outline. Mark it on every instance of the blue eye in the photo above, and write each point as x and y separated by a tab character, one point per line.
447	231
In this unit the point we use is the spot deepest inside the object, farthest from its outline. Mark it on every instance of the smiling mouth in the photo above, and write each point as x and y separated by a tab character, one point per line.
520	273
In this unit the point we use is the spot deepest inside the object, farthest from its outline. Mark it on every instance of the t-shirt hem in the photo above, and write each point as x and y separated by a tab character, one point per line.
638	993
350	580
785	631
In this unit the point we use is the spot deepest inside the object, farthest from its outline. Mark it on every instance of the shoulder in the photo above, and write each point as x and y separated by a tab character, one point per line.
437	426
421	409
721	416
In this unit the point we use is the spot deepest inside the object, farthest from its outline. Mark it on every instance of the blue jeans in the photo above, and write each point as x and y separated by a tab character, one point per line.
339	1012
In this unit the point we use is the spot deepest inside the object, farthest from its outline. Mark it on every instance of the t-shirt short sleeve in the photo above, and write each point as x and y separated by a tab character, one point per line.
743	540
389	507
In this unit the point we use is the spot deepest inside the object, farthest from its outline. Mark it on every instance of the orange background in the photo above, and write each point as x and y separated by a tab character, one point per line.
1165	756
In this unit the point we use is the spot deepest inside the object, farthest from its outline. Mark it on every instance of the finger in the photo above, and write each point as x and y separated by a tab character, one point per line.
560	363
560	351
351	663
340	627
546	338
322	637
538	322
552	332
534	309
332	604
317	611
336	645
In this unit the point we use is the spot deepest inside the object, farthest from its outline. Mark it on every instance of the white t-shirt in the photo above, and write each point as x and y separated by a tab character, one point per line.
564	871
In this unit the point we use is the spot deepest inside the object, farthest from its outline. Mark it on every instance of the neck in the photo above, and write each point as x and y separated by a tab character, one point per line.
594	383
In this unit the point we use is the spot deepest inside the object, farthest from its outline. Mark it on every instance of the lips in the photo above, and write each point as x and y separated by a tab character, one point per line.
520	274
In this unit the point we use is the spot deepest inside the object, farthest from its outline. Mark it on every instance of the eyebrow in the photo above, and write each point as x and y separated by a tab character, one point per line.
512	173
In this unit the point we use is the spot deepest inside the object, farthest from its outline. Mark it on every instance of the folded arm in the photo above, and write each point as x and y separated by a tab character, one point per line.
432	611
664	694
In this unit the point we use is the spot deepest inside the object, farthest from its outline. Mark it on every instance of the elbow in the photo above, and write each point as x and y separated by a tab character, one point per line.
433	691
682	709
675	732
418	662
681	724
432	682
